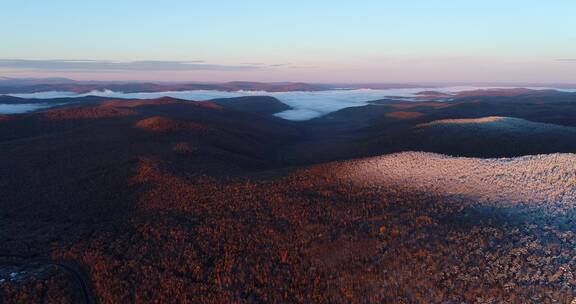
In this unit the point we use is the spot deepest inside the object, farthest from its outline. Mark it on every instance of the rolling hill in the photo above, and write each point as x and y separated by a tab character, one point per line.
170	200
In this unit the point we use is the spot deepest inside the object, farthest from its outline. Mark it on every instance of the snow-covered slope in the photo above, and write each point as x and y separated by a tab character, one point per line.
547	181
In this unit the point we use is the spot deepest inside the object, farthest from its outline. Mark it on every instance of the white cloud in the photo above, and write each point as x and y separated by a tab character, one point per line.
305	105
21	108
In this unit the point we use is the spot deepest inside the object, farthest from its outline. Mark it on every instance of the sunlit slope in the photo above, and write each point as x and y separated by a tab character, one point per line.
547	181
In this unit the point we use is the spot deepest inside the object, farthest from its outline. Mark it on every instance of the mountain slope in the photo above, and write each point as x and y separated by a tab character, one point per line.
263	105
493	137
385	229
544	181
169	200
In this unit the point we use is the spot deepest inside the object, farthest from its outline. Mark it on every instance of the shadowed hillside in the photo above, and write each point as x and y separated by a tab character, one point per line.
388	126
263	105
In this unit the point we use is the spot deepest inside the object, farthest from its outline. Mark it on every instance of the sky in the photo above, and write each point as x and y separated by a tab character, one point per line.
311	41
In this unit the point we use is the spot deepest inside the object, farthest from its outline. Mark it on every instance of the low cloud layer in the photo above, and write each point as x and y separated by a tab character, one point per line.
58	65
305	105
21	108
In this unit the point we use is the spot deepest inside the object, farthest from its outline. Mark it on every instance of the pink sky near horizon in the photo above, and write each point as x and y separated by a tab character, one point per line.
417	71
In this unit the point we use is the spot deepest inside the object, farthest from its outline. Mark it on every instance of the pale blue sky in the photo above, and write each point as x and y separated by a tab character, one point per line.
375	41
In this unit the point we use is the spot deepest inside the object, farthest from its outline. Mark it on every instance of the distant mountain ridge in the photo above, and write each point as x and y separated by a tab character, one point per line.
9	85
12	86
